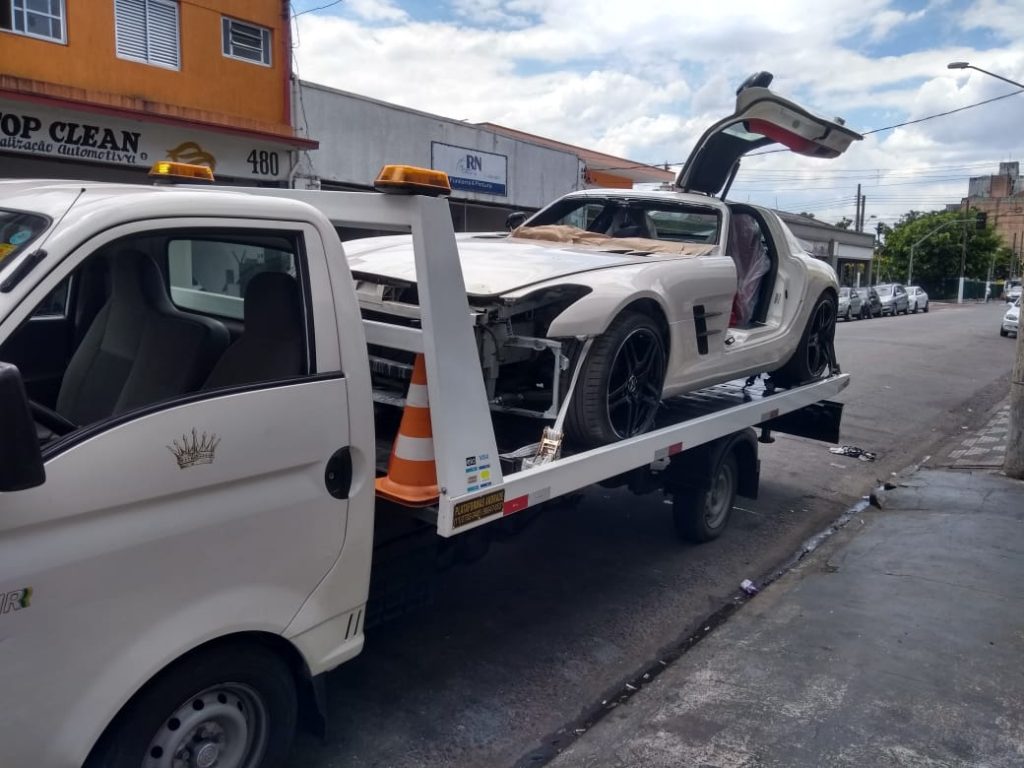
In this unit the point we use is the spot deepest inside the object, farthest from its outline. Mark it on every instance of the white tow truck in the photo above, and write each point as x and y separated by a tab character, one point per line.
189	445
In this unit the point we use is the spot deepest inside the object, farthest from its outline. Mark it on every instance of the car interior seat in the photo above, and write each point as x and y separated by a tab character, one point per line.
271	345
139	347
748	252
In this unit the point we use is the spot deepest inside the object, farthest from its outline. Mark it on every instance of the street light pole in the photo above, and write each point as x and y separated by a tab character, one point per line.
943	225
1014	465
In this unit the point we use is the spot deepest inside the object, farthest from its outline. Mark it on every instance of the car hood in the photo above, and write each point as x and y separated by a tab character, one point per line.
493	264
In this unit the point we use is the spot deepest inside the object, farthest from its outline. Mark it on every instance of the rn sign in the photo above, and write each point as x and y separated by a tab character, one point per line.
471	170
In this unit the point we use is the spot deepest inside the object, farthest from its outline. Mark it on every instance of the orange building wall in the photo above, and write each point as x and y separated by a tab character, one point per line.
209	86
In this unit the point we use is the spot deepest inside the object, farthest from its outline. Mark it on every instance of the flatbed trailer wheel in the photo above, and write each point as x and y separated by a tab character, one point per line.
701	514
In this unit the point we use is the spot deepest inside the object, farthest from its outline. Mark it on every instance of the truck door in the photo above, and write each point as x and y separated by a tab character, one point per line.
186	450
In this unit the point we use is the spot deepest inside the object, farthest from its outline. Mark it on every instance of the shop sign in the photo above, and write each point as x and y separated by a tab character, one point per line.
471	170
79	136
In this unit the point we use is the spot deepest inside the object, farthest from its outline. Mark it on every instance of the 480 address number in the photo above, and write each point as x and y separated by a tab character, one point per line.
263	163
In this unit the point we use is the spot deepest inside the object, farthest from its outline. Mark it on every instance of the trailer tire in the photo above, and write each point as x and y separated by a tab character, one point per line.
701	514
237	702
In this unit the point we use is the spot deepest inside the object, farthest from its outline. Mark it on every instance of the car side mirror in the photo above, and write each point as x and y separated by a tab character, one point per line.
21	461
515	219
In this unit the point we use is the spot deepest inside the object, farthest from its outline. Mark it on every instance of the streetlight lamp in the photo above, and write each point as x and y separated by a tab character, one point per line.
1014	466
965	65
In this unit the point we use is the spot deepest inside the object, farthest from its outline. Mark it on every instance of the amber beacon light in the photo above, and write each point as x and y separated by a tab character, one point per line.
410	180
170	171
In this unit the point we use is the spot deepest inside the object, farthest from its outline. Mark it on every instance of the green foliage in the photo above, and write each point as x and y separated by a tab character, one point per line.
938	254
844	223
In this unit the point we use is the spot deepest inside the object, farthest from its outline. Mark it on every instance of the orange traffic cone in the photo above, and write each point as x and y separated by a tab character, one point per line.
412	475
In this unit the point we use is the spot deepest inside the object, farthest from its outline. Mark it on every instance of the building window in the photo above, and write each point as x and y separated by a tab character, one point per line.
246	41
35	18
147	30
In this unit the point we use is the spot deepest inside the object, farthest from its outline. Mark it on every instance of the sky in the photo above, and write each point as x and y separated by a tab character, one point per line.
642	79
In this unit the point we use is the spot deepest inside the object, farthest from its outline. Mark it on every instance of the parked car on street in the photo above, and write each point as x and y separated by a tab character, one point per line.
1013	291
849	303
917	298
1011	320
870	304
650	293
894	298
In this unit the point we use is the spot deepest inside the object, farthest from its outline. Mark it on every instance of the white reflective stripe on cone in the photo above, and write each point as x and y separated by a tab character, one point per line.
417	396
414	448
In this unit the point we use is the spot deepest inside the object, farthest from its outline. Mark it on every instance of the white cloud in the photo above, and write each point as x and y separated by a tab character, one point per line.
643	79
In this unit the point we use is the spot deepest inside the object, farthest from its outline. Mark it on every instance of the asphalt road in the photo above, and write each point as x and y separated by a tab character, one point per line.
518	646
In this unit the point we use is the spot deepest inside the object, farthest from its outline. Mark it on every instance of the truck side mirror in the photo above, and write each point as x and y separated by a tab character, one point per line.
515	219
21	461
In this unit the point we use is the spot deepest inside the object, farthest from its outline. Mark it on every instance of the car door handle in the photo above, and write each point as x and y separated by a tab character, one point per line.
338	475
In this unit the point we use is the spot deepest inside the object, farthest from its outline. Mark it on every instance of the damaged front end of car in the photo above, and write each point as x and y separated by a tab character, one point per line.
524	371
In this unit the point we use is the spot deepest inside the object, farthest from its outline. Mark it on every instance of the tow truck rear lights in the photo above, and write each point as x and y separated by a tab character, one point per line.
170	171
410	180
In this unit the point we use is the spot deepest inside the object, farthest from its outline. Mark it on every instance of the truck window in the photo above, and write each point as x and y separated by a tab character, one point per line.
211	275
140	322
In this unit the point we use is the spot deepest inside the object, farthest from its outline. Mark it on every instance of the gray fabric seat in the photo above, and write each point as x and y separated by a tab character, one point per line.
139	349
271	345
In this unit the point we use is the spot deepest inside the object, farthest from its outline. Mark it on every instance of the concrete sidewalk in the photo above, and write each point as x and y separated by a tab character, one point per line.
900	642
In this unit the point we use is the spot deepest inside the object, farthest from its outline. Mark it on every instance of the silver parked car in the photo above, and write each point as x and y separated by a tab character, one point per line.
1011	320
894	298
849	303
917	298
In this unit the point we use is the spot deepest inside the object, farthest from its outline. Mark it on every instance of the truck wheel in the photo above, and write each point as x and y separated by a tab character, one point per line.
230	707
811	357
701	514
619	388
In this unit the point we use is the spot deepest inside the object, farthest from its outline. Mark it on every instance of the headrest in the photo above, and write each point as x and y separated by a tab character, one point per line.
272	307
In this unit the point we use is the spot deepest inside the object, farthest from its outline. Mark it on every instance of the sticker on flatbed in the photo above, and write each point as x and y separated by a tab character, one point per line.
471	510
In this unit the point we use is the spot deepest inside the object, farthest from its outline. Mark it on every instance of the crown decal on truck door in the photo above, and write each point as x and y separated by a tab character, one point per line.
195	449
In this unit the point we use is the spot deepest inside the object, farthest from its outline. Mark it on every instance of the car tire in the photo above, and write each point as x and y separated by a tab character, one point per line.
619	387
846	317
925	306
237	702
810	359
701	514
1003	332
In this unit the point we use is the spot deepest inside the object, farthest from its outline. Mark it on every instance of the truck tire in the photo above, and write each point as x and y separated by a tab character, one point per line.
232	706
701	514
619	387
811	357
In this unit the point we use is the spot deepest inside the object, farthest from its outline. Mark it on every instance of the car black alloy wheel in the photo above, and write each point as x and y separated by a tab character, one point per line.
634	387
812	355
619	388
820	333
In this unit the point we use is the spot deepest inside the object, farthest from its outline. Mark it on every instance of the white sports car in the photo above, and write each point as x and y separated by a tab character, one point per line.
635	295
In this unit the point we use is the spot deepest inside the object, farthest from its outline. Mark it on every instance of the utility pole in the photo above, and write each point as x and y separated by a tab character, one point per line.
963	267
856	212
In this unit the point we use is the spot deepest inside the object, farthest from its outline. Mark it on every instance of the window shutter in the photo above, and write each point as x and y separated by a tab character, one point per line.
130	18
246	41
163	33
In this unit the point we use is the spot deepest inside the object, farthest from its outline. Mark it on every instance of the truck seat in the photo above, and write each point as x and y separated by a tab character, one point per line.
271	345
139	348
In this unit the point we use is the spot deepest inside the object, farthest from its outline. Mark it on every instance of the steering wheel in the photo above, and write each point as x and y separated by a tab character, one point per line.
50	419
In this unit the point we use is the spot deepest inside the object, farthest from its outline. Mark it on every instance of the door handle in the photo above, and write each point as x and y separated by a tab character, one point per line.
338	475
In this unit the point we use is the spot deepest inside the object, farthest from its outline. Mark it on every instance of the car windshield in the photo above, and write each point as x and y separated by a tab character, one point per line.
17	230
883	290
632	217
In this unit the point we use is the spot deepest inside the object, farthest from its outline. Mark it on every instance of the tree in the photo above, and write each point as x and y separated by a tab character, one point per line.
939	256
844	223
808	215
